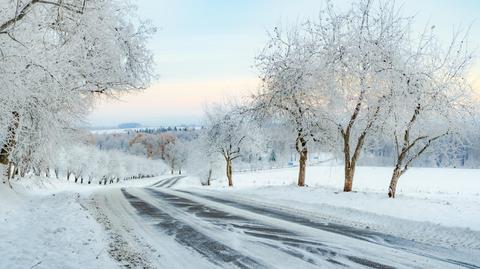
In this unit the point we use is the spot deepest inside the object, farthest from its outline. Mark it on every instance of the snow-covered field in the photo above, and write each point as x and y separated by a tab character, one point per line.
373	179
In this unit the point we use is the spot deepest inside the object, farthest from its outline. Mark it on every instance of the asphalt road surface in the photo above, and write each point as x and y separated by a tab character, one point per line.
164	227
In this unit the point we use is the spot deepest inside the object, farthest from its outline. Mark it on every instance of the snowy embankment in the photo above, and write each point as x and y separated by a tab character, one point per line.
43	224
438	206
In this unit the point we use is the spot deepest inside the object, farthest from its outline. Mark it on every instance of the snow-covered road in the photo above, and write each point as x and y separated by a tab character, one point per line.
164	227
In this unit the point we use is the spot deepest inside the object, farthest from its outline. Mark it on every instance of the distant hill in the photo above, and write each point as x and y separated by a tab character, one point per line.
129	125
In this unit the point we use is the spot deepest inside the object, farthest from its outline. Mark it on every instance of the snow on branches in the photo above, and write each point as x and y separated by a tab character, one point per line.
87	164
363	74
55	58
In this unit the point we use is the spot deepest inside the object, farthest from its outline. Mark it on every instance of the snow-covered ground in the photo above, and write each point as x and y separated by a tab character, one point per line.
438	206
218	229
43	224
50	223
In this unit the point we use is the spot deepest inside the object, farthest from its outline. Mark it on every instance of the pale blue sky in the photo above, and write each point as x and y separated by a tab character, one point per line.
204	50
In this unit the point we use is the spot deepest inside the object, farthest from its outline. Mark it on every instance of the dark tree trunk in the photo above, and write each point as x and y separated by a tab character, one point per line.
350	162
209	177
349	173
229	172
301	146
397	172
16	171
302	168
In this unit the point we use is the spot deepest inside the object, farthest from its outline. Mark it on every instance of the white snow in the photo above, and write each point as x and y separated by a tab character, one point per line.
415	182
433	205
43	224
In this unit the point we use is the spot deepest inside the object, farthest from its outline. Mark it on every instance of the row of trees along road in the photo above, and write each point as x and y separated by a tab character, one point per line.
352	76
169	146
56	58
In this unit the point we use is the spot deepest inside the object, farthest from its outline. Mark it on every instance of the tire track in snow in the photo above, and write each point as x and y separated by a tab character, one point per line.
167	183
186	235
364	235
280	239
173	182
118	248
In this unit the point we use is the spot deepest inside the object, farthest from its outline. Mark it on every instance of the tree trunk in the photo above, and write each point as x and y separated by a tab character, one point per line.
11	139
180	171
302	167
349	173
10	170
397	172
349	167
68	175
301	147
209	177
15	171
8	174
9	145
229	172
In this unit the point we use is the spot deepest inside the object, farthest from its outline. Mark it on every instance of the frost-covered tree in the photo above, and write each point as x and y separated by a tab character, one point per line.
201	161
86	162
357	54
176	155
432	99
286	96
227	134
57	57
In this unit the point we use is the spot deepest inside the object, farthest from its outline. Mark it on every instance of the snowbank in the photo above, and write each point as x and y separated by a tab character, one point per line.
446	197
43	224
50	231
